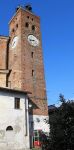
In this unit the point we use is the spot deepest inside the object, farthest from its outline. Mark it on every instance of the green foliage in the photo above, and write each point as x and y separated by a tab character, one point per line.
62	126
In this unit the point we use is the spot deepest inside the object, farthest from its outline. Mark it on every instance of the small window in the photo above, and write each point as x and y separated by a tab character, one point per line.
26	24
17	103
32	73
9	128
13	30
16	25
32	54
32	19
33	27
28	17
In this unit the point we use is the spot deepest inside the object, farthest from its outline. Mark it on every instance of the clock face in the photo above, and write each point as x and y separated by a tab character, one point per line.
14	41
33	40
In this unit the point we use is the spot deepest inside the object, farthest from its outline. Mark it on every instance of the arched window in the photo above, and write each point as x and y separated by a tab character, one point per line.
9	128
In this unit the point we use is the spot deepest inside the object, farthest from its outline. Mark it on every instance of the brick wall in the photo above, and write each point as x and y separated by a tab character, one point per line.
23	63
3	59
3	51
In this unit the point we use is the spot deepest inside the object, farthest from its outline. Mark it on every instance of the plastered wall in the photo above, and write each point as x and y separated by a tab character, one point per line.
18	138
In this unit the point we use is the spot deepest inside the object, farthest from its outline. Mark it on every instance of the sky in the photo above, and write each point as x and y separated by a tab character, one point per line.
57	28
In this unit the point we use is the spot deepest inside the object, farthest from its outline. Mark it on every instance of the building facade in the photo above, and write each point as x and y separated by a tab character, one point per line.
21	63
14	126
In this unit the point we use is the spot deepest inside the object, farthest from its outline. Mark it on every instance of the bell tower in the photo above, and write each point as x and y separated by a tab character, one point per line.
26	59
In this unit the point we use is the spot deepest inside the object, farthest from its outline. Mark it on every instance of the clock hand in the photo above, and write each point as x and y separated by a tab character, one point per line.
31	40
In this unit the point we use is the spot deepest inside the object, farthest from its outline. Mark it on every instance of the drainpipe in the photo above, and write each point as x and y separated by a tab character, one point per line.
26	117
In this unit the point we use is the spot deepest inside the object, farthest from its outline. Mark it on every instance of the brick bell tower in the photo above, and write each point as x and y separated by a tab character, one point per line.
25	58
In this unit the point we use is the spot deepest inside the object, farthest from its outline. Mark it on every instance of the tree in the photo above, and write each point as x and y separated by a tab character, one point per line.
62	126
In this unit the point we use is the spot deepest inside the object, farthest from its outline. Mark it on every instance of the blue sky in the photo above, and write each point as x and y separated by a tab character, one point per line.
57	27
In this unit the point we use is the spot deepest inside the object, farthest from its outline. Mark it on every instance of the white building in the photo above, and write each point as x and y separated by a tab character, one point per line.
14	120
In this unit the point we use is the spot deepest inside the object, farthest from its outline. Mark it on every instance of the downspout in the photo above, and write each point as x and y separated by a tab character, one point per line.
26	116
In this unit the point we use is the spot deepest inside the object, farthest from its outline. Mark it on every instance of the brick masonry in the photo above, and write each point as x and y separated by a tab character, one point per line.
3	60
21	62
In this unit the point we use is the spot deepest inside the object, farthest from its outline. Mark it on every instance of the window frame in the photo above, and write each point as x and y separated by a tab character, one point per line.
17	103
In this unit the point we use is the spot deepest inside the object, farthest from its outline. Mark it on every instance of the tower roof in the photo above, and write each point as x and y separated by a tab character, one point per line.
26	8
